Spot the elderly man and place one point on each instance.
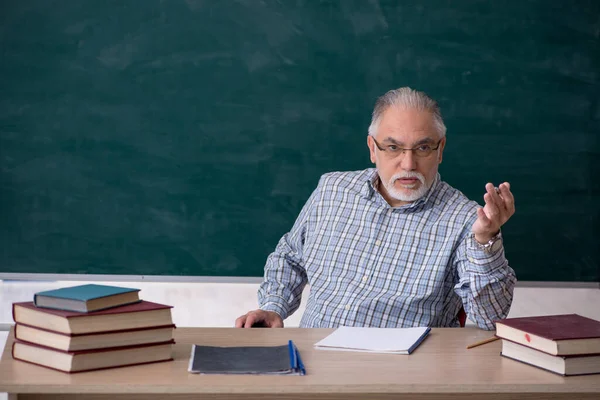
(393, 246)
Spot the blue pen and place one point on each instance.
(292, 355)
(295, 360)
(300, 363)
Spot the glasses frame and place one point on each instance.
(413, 149)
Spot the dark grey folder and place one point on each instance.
(276, 360)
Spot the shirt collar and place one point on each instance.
(373, 181)
(370, 186)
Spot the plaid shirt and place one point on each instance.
(370, 264)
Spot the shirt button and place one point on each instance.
(471, 259)
(365, 278)
(378, 243)
(347, 306)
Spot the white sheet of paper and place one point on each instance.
(376, 340)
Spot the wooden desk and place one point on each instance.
(440, 368)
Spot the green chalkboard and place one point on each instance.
(183, 137)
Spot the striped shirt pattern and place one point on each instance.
(370, 264)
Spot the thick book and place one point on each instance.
(374, 340)
(133, 316)
(270, 360)
(86, 298)
(566, 334)
(562, 365)
(92, 360)
(98, 340)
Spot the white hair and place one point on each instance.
(404, 98)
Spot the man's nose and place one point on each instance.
(408, 160)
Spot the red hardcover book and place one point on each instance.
(90, 341)
(92, 360)
(568, 334)
(133, 316)
(563, 365)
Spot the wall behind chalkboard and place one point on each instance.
(183, 137)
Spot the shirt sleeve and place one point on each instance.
(285, 275)
(485, 282)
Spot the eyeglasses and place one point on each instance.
(421, 151)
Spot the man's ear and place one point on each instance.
(441, 150)
(371, 145)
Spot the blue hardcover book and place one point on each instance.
(270, 360)
(86, 298)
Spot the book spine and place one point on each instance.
(419, 340)
(191, 361)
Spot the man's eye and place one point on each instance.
(424, 148)
(392, 147)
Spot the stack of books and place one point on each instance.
(564, 344)
(92, 327)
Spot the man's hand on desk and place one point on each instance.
(259, 319)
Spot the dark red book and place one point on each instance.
(562, 365)
(132, 316)
(92, 360)
(568, 334)
(90, 341)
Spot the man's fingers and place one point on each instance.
(239, 323)
(507, 197)
(491, 208)
(494, 195)
(259, 318)
(485, 221)
(251, 319)
(276, 324)
(499, 202)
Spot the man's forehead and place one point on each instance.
(407, 124)
(407, 134)
(419, 139)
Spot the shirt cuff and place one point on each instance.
(484, 260)
(275, 307)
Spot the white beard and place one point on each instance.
(408, 193)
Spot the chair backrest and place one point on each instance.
(462, 317)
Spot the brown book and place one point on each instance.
(99, 340)
(133, 316)
(562, 365)
(91, 360)
(568, 334)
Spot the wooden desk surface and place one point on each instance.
(441, 367)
